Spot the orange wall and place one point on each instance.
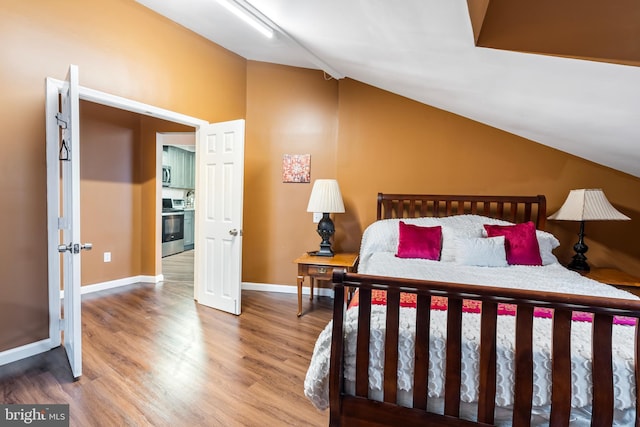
(369, 139)
(295, 111)
(121, 48)
(118, 192)
(289, 111)
(109, 192)
(390, 144)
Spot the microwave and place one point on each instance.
(166, 176)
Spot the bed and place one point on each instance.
(460, 340)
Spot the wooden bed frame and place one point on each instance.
(359, 410)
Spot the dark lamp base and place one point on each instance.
(325, 250)
(325, 230)
(579, 265)
(579, 262)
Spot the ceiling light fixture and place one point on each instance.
(247, 16)
(254, 17)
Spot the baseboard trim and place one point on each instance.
(267, 287)
(24, 351)
(249, 286)
(97, 287)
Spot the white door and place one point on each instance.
(63, 199)
(219, 183)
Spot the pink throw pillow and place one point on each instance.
(521, 242)
(419, 242)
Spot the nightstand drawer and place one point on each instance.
(320, 271)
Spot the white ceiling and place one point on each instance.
(424, 50)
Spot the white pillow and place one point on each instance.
(481, 251)
(547, 243)
(450, 236)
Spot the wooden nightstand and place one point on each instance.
(612, 276)
(321, 268)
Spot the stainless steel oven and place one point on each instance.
(172, 230)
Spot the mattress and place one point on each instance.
(552, 277)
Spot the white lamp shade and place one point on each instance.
(587, 205)
(325, 197)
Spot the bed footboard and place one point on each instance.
(358, 409)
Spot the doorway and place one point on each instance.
(219, 172)
(176, 156)
(119, 196)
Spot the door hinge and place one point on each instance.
(63, 224)
(62, 120)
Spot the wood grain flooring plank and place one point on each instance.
(153, 357)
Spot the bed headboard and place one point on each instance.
(515, 209)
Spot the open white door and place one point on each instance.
(63, 203)
(219, 183)
(63, 198)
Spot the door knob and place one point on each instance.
(75, 248)
(233, 232)
(64, 248)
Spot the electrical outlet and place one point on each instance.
(107, 257)
(317, 216)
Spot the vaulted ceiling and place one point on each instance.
(565, 74)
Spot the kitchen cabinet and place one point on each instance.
(189, 229)
(182, 164)
(191, 169)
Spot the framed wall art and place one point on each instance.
(296, 168)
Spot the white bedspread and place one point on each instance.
(551, 277)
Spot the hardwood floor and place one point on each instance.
(153, 357)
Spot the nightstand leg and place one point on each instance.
(300, 282)
(311, 280)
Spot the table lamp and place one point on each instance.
(326, 199)
(585, 205)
